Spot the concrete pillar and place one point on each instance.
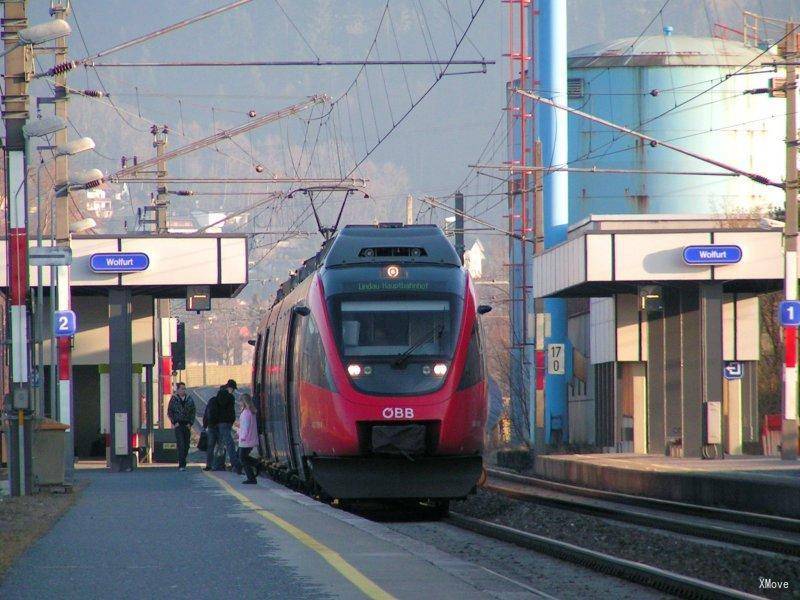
(674, 365)
(639, 380)
(710, 296)
(656, 442)
(732, 392)
(689, 372)
(121, 378)
(105, 408)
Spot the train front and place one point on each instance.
(403, 342)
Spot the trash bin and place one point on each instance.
(49, 445)
(166, 448)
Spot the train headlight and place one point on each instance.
(440, 369)
(354, 370)
(392, 271)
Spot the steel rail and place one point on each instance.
(667, 581)
(711, 512)
(739, 537)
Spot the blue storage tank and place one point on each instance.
(631, 82)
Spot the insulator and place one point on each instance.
(93, 184)
(259, 168)
(63, 67)
(185, 192)
(165, 129)
(94, 93)
(154, 129)
(653, 143)
(124, 161)
(135, 160)
(655, 93)
(251, 114)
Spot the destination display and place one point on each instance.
(119, 262)
(712, 254)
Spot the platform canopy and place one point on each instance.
(614, 254)
(161, 266)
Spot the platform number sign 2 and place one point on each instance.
(64, 323)
(555, 359)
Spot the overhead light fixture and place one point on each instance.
(82, 225)
(44, 32)
(44, 126)
(76, 147)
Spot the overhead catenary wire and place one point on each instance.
(163, 31)
(752, 176)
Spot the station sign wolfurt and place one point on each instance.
(119, 262)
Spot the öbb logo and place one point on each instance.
(397, 413)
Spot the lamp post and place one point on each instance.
(69, 149)
(82, 180)
(40, 128)
(15, 36)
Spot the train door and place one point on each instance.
(260, 391)
(277, 438)
(293, 371)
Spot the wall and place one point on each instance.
(192, 376)
(91, 340)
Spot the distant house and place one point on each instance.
(473, 260)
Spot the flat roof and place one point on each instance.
(174, 262)
(610, 254)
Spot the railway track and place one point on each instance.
(750, 530)
(653, 577)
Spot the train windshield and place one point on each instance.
(395, 345)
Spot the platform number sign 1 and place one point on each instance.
(64, 323)
(555, 359)
(790, 313)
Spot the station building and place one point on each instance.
(121, 351)
(651, 83)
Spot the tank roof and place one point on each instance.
(666, 50)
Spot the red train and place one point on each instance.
(369, 370)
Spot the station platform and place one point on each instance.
(749, 483)
(159, 533)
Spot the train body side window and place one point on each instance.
(473, 366)
(315, 368)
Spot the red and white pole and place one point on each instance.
(18, 296)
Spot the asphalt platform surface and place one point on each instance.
(160, 533)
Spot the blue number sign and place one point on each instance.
(790, 313)
(64, 323)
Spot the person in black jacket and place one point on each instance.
(221, 415)
(181, 412)
(212, 436)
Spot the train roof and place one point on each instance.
(360, 244)
(366, 244)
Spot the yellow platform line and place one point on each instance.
(333, 558)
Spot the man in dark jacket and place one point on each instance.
(181, 411)
(213, 462)
(221, 416)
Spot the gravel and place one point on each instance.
(25, 519)
(711, 561)
(533, 574)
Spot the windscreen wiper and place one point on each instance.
(403, 357)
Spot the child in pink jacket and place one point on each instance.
(248, 438)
